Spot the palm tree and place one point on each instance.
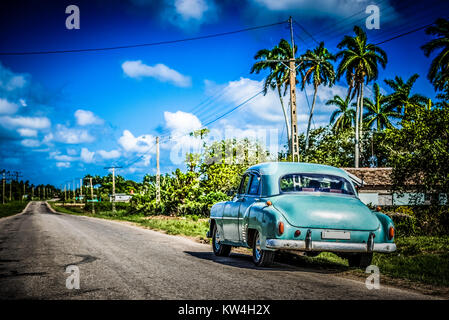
(439, 69)
(401, 99)
(360, 61)
(278, 78)
(343, 117)
(379, 111)
(317, 69)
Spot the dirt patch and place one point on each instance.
(427, 289)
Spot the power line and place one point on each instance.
(142, 44)
(405, 33)
(204, 126)
(233, 109)
(307, 32)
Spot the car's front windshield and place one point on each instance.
(312, 182)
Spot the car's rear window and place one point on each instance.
(308, 182)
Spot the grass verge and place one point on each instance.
(10, 208)
(419, 259)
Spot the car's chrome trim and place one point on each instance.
(329, 246)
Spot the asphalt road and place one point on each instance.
(120, 261)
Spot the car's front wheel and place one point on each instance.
(219, 249)
(261, 258)
(360, 260)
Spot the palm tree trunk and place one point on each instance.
(361, 116)
(310, 117)
(287, 124)
(356, 151)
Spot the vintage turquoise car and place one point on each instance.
(299, 206)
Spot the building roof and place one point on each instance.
(372, 177)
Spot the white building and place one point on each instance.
(376, 185)
(120, 197)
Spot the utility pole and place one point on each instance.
(292, 66)
(293, 114)
(3, 187)
(92, 196)
(10, 185)
(158, 173)
(81, 188)
(113, 185)
(17, 174)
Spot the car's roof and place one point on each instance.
(272, 171)
(282, 168)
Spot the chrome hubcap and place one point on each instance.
(216, 241)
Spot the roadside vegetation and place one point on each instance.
(12, 207)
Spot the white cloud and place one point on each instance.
(48, 138)
(86, 117)
(25, 132)
(137, 69)
(63, 164)
(61, 157)
(109, 154)
(31, 143)
(71, 151)
(187, 15)
(265, 108)
(327, 8)
(140, 144)
(12, 82)
(7, 107)
(87, 156)
(25, 122)
(71, 136)
(181, 123)
(191, 9)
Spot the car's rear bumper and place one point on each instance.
(329, 246)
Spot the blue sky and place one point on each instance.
(65, 115)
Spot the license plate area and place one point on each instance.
(336, 235)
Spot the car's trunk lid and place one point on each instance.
(325, 211)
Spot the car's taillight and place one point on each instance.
(281, 227)
(297, 233)
(391, 233)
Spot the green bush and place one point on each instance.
(404, 224)
(420, 220)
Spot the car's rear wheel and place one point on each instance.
(261, 258)
(360, 260)
(219, 248)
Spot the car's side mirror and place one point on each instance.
(230, 193)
